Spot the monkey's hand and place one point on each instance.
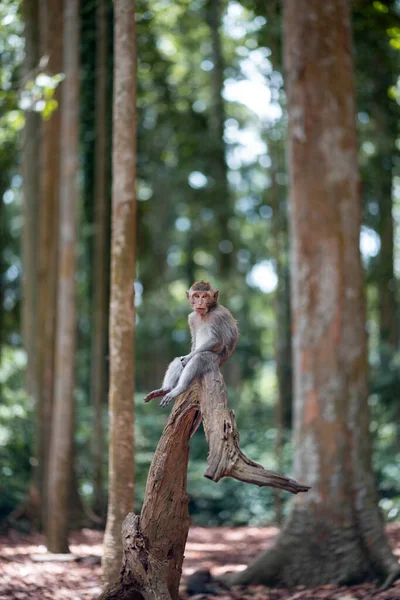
(167, 399)
(185, 360)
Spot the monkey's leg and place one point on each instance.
(197, 366)
(173, 374)
(171, 378)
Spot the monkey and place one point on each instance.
(214, 334)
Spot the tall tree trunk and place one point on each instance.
(218, 164)
(334, 533)
(63, 411)
(386, 281)
(31, 148)
(122, 310)
(101, 284)
(283, 359)
(51, 27)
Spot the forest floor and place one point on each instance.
(24, 577)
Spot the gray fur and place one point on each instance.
(214, 338)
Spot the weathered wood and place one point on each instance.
(225, 458)
(154, 543)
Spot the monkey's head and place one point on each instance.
(202, 297)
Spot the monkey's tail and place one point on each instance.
(156, 394)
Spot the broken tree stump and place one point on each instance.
(154, 543)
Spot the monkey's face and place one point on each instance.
(201, 302)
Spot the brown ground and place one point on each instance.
(220, 549)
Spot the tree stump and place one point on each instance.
(154, 543)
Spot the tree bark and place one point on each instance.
(31, 149)
(386, 280)
(219, 169)
(62, 421)
(122, 313)
(334, 533)
(154, 543)
(51, 27)
(101, 283)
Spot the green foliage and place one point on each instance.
(16, 431)
(385, 427)
(179, 233)
(38, 94)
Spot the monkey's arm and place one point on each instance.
(192, 333)
(213, 344)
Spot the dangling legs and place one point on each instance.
(197, 366)
(171, 378)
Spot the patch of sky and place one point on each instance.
(199, 106)
(263, 276)
(197, 180)
(246, 204)
(183, 224)
(207, 215)
(207, 65)
(166, 46)
(370, 242)
(225, 246)
(234, 178)
(373, 208)
(8, 196)
(266, 212)
(12, 273)
(368, 148)
(363, 118)
(144, 192)
(138, 293)
(174, 258)
(242, 51)
(248, 146)
(16, 181)
(264, 161)
(237, 23)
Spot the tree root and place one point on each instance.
(390, 579)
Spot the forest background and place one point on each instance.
(211, 202)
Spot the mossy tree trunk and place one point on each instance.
(122, 312)
(335, 532)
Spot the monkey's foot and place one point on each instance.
(167, 399)
(156, 394)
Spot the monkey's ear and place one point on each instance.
(216, 294)
(187, 294)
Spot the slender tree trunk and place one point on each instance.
(31, 148)
(386, 281)
(335, 532)
(279, 248)
(51, 27)
(62, 421)
(101, 285)
(122, 312)
(218, 164)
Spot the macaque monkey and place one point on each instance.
(214, 336)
